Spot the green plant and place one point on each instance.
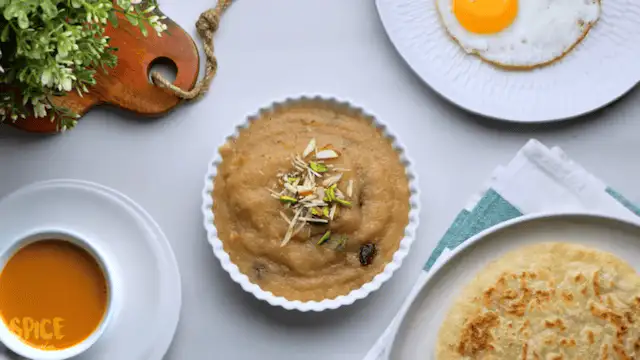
(51, 47)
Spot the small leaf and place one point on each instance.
(143, 29)
(23, 20)
(132, 19)
(113, 18)
(5, 33)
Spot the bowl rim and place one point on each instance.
(356, 294)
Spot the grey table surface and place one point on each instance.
(269, 50)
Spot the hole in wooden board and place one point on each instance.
(165, 66)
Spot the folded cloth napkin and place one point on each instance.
(538, 179)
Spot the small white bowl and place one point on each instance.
(13, 342)
(366, 289)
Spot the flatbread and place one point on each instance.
(549, 301)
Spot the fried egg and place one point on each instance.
(519, 33)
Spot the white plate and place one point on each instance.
(418, 331)
(598, 71)
(149, 290)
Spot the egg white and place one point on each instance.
(542, 32)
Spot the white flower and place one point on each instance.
(66, 84)
(46, 78)
(39, 110)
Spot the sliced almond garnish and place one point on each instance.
(290, 188)
(326, 154)
(313, 173)
(304, 190)
(350, 188)
(315, 220)
(332, 212)
(332, 180)
(315, 204)
(289, 233)
(298, 229)
(285, 217)
(311, 147)
(308, 198)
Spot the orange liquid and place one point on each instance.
(53, 294)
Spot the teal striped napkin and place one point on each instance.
(538, 179)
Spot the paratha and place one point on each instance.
(548, 301)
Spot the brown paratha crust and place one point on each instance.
(547, 300)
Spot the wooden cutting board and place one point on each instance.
(127, 85)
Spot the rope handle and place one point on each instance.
(206, 25)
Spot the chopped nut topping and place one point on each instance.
(310, 193)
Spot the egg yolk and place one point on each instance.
(485, 16)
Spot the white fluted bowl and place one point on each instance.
(350, 298)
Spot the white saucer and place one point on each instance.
(149, 289)
(598, 71)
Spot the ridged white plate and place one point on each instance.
(366, 289)
(598, 71)
(418, 332)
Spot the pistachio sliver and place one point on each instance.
(330, 192)
(343, 202)
(325, 212)
(324, 237)
(288, 199)
(318, 167)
